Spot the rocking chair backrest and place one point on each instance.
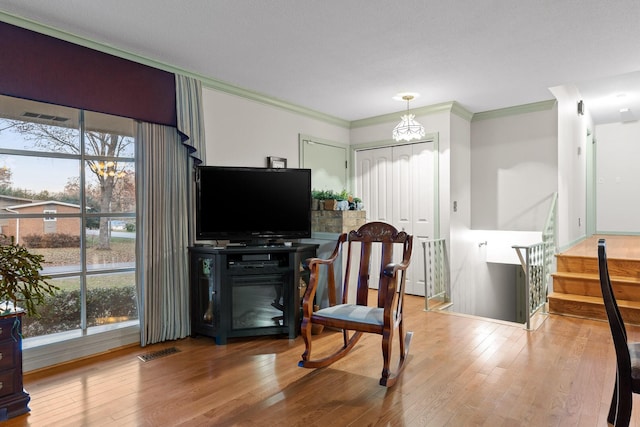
(370, 234)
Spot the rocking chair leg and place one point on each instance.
(387, 343)
(390, 379)
(305, 331)
(401, 335)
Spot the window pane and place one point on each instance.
(61, 252)
(109, 136)
(113, 245)
(59, 313)
(34, 126)
(111, 298)
(111, 186)
(40, 178)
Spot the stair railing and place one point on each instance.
(537, 263)
(436, 274)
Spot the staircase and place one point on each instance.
(576, 284)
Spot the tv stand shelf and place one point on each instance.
(242, 291)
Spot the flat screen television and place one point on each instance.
(252, 205)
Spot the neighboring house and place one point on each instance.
(20, 227)
(6, 201)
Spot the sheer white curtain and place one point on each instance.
(165, 158)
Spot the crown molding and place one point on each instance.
(518, 109)
(450, 107)
(206, 81)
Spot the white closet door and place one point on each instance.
(397, 186)
(422, 210)
(373, 175)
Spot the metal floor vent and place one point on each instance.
(157, 354)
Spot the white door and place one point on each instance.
(397, 186)
(328, 164)
(373, 173)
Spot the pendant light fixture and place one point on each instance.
(408, 129)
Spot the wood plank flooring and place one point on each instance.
(618, 246)
(462, 371)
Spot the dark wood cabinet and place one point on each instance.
(247, 291)
(14, 399)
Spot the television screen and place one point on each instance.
(252, 204)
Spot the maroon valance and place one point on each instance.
(42, 68)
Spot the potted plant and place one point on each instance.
(22, 286)
(357, 201)
(317, 197)
(330, 200)
(343, 200)
(22, 289)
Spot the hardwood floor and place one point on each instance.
(618, 246)
(462, 371)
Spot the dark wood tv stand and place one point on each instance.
(247, 291)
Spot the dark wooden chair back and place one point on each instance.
(627, 381)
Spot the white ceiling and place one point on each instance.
(348, 58)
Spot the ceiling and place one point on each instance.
(348, 58)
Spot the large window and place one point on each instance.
(67, 192)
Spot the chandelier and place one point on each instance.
(408, 128)
(107, 169)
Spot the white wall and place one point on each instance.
(242, 132)
(617, 177)
(514, 170)
(512, 173)
(462, 278)
(572, 137)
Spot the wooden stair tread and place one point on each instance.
(592, 300)
(576, 283)
(596, 277)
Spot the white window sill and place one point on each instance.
(48, 350)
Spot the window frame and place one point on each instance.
(46, 350)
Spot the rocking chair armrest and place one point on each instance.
(309, 263)
(313, 266)
(391, 269)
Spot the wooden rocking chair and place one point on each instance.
(383, 317)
